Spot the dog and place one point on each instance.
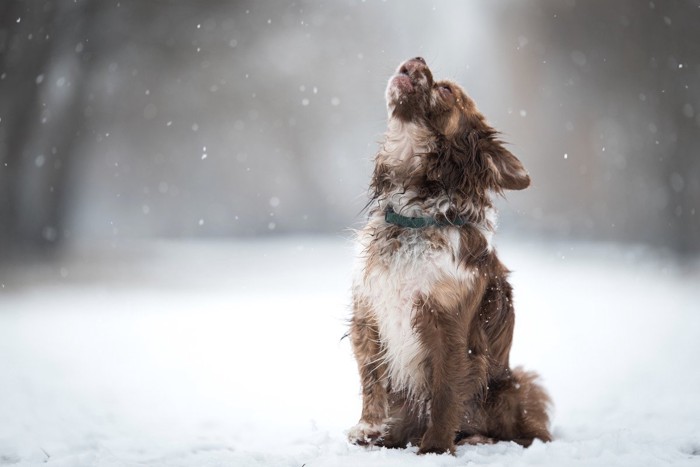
(432, 311)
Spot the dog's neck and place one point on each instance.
(403, 140)
(403, 154)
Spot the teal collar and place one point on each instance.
(419, 222)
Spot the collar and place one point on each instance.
(419, 222)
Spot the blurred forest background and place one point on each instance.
(124, 119)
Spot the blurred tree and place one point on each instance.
(44, 59)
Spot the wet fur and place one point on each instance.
(433, 316)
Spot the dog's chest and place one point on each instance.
(392, 284)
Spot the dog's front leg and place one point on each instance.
(442, 329)
(373, 375)
(445, 372)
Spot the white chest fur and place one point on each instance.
(391, 287)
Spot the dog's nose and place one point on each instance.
(412, 64)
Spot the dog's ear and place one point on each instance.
(507, 171)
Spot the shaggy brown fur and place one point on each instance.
(433, 315)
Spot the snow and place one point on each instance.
(230, 353)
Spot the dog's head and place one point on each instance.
(466, 155)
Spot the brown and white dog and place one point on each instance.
(433, 317)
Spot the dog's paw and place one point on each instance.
(436, 443)
(474, 440)
(367, 434)
(436, 450)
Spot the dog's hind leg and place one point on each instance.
(516, 409)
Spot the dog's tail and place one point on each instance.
(518, 409)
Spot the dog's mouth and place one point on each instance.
(403, 83)
(410, 84)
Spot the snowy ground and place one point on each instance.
(208, 354)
